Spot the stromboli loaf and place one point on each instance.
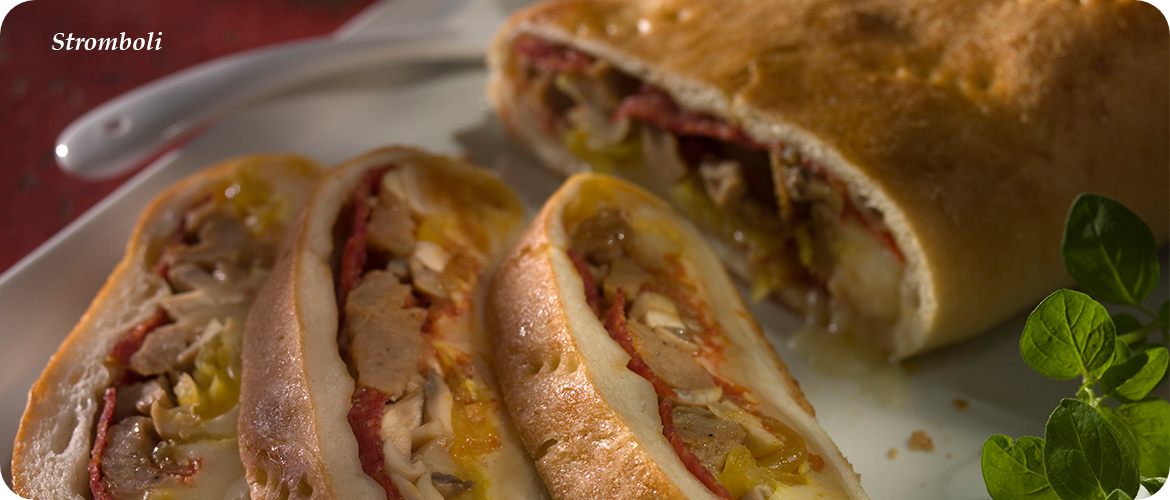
(161, 342)
(954, 133)
(592, 413)
(365, 370)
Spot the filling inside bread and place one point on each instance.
(168, 423)
(638, 285)
(789, 227)
(424, 411)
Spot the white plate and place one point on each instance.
(443, 108)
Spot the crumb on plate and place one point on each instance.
(920, 440)
(961, 404)
(893, 453)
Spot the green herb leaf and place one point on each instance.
(1015, 471)
(1126, 323)
(1118, 495)
(1068, 334)
(1109, 250)
(1146, 425)
(1135, 377)
(1153, 484)
(1085, 458)
(1120, 352)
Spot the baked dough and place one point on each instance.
(592, 424)
(970, 126)
(56, 434)
(297, 389)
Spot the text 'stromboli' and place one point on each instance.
(61, 41)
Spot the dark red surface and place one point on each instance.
(42, 90)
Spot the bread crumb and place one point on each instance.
(961, 404)
(919, 440)
(893, 453)
(948, 455)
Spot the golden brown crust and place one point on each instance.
(576, 404)
(952, 117)
(53, 444)
(296, 388)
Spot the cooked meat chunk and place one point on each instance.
(723, 181)
(221, 239)
(391, 226)
(127, 464)
(602, 238)
(667, 358)
(160, 351)
(135, 399)
(385, 334)
(711, 438)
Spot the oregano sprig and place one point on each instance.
(1114, 435)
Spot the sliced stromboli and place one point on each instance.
(636, 370)
(897, 168)
(368, 376)
(141, 400)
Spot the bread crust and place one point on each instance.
(970, 125)
(576, 405)
(296, 388)
(53, 445)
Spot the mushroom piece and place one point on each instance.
(723, 181)
(160, 351)
(673, 365)
(660, 149)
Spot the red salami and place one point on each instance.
(365, 418)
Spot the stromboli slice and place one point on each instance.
(141, 400)
(634, 369)
(366, 371)
(898, 169)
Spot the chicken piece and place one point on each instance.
(391, 226)
(723, 182)
(160, 351)
(385, 334)
(710, 438)
(220, 239)
(668, 359)
(127, 462)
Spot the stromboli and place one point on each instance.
(591, 402)
(153, 365)
(365, 370)
(898, 168)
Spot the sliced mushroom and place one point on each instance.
(427, 262)
(400, 419)
(436, 457)
(660, 150)
(221, 239)
(385, 336)
(439, 401)
(626, 276)
(450, 486)
(658, 311)
(427, 488)
(723, 181)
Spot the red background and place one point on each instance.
(43, 90)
